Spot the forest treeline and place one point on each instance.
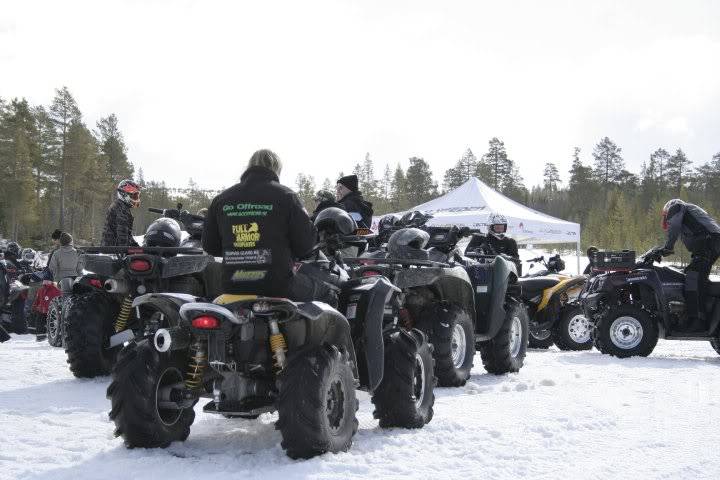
(58, 172)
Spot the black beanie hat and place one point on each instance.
(56, 234)
(350, 181)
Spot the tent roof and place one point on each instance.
(471, 203)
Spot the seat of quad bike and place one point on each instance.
(534, 286)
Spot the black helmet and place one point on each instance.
(556, 263)
(14, 249)
(387, 222)
(163, 232)
(408, 243)
(335, 220)
(415, 218)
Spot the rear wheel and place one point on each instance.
(574, 330)
(541, 339)
(317, 403)
(143, 380)
(450, 331)
(89, 324)
(405, 397)
(506, 352)
(54, 322)
(625, 331)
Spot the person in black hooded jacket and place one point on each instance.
(350, 199)
(259, 227)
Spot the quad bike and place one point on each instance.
(12, 294)
(402, 380)
(555, 314)
(99, 317)
(44, 296)
(460, 303)
(632, 304)
(254, 355)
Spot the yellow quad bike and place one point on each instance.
(555, 314)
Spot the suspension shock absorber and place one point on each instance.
(196, 367)
(277, 343)
(124, 315)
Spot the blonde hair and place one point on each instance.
(267, 159)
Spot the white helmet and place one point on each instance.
(497, 225)
(666, 209)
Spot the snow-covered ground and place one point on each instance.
(565, 415)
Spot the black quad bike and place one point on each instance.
(99, 317)
(556, 316)
(254, 355)
(12, 316)
(632, 304)
(462, 304)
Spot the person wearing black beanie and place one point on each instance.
(350, 199)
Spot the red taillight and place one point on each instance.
(140, 265)
(206, 322)
(370, 273)
(96, 283)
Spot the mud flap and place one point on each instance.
(378, 297)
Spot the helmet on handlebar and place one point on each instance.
(334, 220)
(415, 218)
(408, 243)
(670, 205)
(556, 264)
(13, 248)
(497, 225)
(387, 222)
(163, 232)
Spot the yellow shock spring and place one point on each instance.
(124, 315)
(277, 344)
(196, 367)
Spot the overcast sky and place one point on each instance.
(198, 86)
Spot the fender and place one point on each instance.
(375, 293)
(168, 304)
(503, 276)
(88, 283)
(553, 292)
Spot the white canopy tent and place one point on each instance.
(471, 203)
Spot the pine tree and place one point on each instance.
(465, 168)
(551, 178)
(678, 171)
(608, 162)
(398, 196)
(495, 167)
(63, 112)
(419, 182)
(112, 146)
(658, 162)
(306, 190)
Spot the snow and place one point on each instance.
(565, 415)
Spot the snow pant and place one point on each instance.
(18, 316)
(696, 277)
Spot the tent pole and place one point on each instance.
(577, 255)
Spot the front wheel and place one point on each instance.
(143, 380)
(625, 331)
(405, 397)
(450, 331)
(573, 331)
(505, 353)
(317, 403)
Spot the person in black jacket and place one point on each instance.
(119, 220)
(259, 227)
(496, 242)
(350, 199)
(700, 234)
